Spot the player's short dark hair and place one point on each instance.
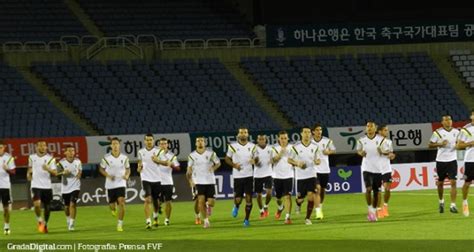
(282, 132)
(163, 139)
(262, 135)
(445, 115)
(370, 121)
(69, 146)
(115, 139)
(200, 137)
(148, 135)
(381, 127)
(242, 127)
(40, 141)
(305, 127)
(317, 125)
(2, 142)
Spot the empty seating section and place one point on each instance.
(179, 96)
(167, 19)
(26, 113)
(37, 20)
(463, 61)
(392, 88)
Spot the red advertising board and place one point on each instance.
(21, 148)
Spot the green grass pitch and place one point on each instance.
(414, 223)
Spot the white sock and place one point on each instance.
(369, 207)
(453, 204)
(318, 209)
(207, 205)
(71, 222)
(372, 209)
(6, 226)
(464, 202)
(120, 222)
(155, 215)
(280, 207)
(39, 219)
(265, 206)
(385, 204)
(287, 216)
(262, 210)
(198, 215)
(167, 219)
(441, 201)
(206, 220)
(148, 220)
(68, 220)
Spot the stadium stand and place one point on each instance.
(338, 91)
(27, 112)
(463, 60)
(163, 96)
(32, 20)
(169, 19)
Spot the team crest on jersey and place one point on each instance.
(248, 149)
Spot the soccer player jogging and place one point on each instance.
(326, 148)
(203, 163)
(466, 141)
(8, 168)
(240, 157)
(151, 179)
(263, 174)
(386, 151)
(283, 174)
(115, 167)
(167, 162)
(304, 158)
(368, 149)
(70, 168)
(444, 139)
(41, 166)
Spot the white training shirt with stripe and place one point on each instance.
(466, 134)
(448, 152)
(307, 154)
(150, 170)
(324, 144)
(9, 161)
(386, 147)
(264, 167)
(241, 154)
(166, 172)
(282, 169)
(202, 164)
(371, 162)
(70, 182)
(40, 178)
(115, 166)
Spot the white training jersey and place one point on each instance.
(282, 169)
(385, 147)
(241, 154)
(150, 170)
(115, 166)
(166, 172)
(371, 162)
(324, 144)
(9, 161)
(40, 178)
(202, 164)
(264, 167)
(307, 154)
(448, 152)
(70, 182)
(466, 135)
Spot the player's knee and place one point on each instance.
(148, 200)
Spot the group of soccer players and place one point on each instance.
(258, 168)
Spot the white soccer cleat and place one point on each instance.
(308, 222)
